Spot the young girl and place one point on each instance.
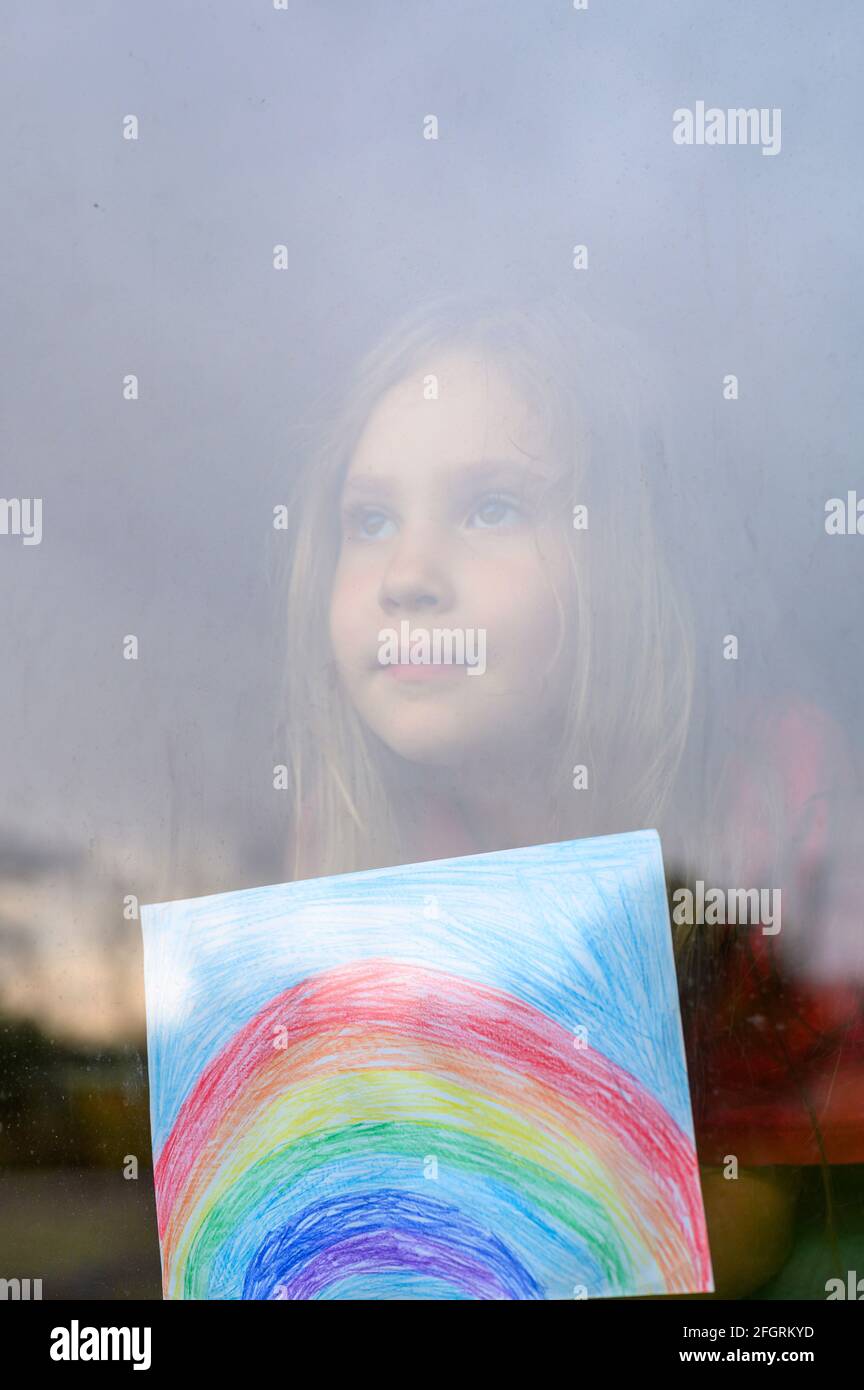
(489, 472)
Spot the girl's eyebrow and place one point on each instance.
(483, 470)
(368, 485)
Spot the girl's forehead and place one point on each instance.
(460, 407)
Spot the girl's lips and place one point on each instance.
(423, 672)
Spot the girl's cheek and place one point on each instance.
(530, 615)
(358, 570)
(351, 616)
(350, 571)
(520, 587)
(342, 612)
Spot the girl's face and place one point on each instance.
(444, 526)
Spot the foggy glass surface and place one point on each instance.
(155, 257)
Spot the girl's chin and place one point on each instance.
(430, 746)
(428, 754)
(450, 744)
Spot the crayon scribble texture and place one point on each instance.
(369, 1086)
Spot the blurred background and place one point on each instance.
(304, 127)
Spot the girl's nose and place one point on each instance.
(415, 579)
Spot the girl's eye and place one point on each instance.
(494, 511)
(367, 523)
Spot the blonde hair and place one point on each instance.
(630, 696)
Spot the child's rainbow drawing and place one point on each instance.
(460, 1079)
